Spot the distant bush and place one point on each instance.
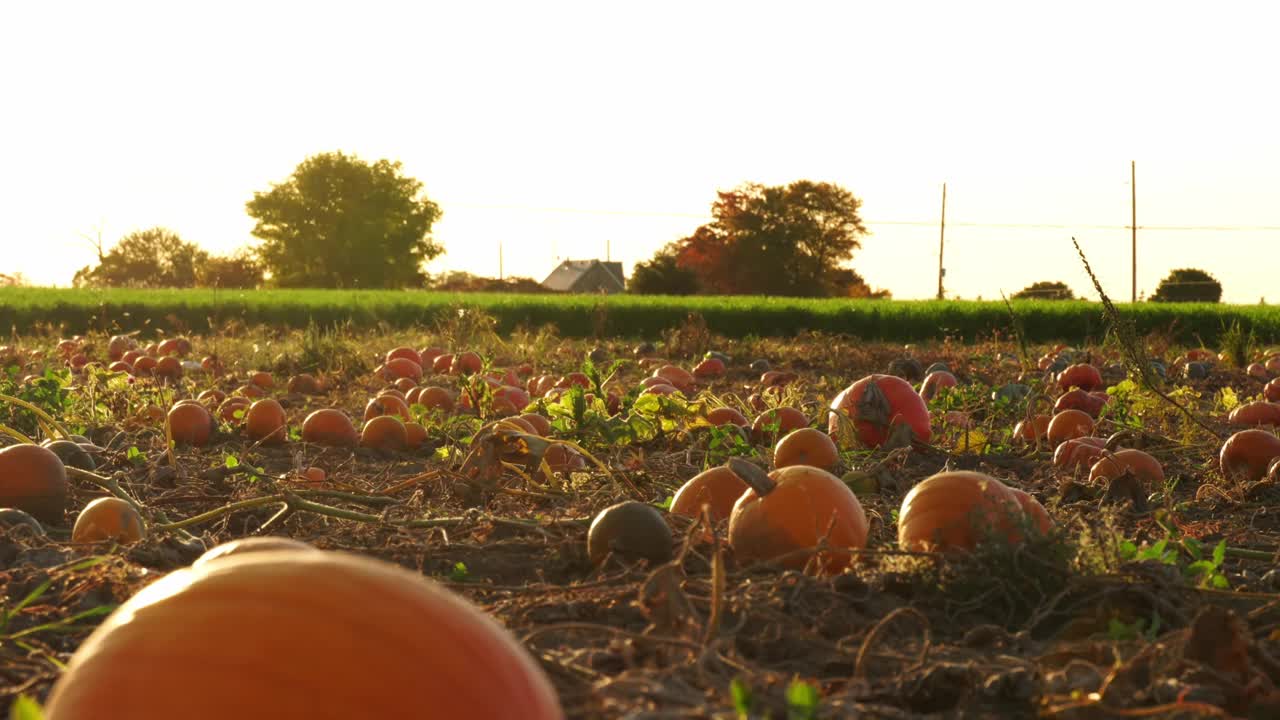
(458, 281)
(1045, 290)
(1188, 285)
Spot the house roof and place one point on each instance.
(564, 277)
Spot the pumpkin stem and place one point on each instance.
(753, 475)
(1123, 436)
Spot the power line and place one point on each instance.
(916, 223)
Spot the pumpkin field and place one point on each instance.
(458, 519)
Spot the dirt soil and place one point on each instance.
(1072, 626)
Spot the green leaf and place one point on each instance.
(1220, 581)
(802, 701)
(231, 461)
(1219, 553)
(24, 708)
(742, 698)
(1193, 548)
(459, 573)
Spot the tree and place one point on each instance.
(662, 275)
(774, 240)
(156, 257)
(1188, 285)
(341, 222)
(240, 270)
(1045, 290)
(460, 281)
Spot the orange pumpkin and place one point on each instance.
(785, 514)
(676, 377)
(212, 397)
(1081, 375)
(265, 422)
(1143, 466)
(399, 368)
(168, 367)
(331, 427)
(1077, 399)
(538, 424)
(774, 423)
(262, 379)
(417, 655)
(877, 404)
(385, 432)
(108, 518)
(433, 397)
(936, 381)
(442, 364)
(144, 366)
(1256, 413)
(190, 424)
(415, 436)
(466, 363)
(1271, 392)
(1028, 431)
(233, 407)
(1033, 510)
(955, 510)
(1079, 452)
(1067, 425)
(806, 446)
(304, 384)
(33, 479)
(1247, 454)
(406, 353)
(727, 416)
(718, 488)
(387, 404)
(250, 544)
(709, 368)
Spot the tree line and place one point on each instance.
(340, 222)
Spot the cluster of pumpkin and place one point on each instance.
(801, 515)
(425, 651)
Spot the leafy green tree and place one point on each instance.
(1045, 290)
(774, 240)
(1188, 285)
(156, 257)
(339, 221)
(662, 275)
(240, 270)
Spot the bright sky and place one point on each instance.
(554, 127)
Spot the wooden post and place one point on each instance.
(1133, 204)
(942, 236)
(500, 276)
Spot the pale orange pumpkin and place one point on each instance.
(385, 432)
(329, 426)
(251, 544)
(806, 446)
(1068, 425)
(108, 518)
(190, 424)
(718, 488)
(955, 510)
(1142, 465)
(265, 421)
(785, 514)
(33, 479)
(408, 648)
(1247, 454)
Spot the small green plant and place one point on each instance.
(802, 701)
(135, 456)
(24, 708)
(1121, 631)
(726, 441)
(459, 572)
(1237, 344)
(1202, 570)
(743, 699)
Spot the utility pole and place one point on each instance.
(500, 275)
(607, 252)
(942, 237)
(1133, 204)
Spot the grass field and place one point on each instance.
(76, 311)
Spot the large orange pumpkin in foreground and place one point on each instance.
(33, 479)
(876, 404)
(791, 510)
(954, 510)
(300, 634)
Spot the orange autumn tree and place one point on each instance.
(788, 240)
